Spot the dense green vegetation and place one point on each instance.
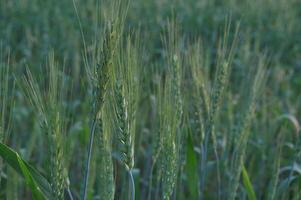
(150, 99)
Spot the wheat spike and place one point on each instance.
(48, 106)
(171, 114)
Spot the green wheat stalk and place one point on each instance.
(100, 75)
(242, 130)
(105, 165)
(48, 105)
(171, 113)
(127, 96)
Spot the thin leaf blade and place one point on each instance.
(247, 184)
(38, 184)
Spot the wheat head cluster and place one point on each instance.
(191, 120)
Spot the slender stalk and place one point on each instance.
(132, 184)
(70, 194)
(88, 161)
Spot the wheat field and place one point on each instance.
(150, 99)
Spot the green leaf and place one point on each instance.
(38, 184)
(248, 184)
(191, 169)
(36, 192)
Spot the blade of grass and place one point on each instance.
(36, 192)
(38, 184)
(248, 185)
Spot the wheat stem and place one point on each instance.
(132, 184)
(88, 161)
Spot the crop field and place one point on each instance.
(150, 99)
